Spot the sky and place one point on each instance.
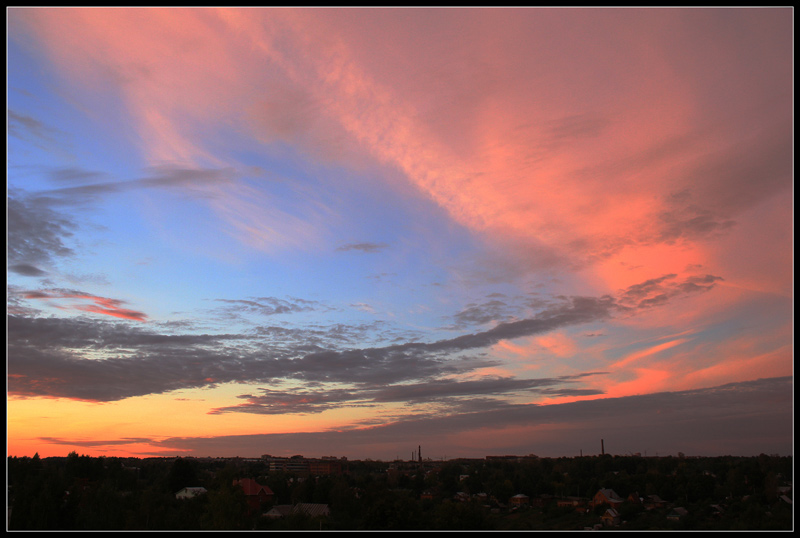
(353, 232)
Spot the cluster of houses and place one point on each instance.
(258, 495)
(604, 497)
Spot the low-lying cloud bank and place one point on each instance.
(740, 417)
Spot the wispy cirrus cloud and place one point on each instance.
(27, 127)
(165, 176)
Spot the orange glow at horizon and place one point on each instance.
(87, 424)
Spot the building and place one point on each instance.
(188, 493)
(610, 518)
(301, 465)
(520, 499)
(677, 513)
(255, 493)
(578, 503)
(306, 509)
(654, 501)
(607, 496)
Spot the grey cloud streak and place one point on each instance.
(446, 391)
(157, 177)
(53, 356)
(26, 269)
(362, 247)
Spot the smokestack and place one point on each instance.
(419, 453)
(602, 448)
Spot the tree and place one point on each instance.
(181, 474)
(227, 509)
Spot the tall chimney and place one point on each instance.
(602, 448)
(419, 453)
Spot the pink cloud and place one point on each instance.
(564, 130)
(102, 305)
(638, 355)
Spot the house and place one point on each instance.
(256, 493)
(573, 502)
(426, 495)
(607, 496)
(610, 518)
(279, 511)
(306, 509)
(677, 513)
(312, 509)
(634, 498)
(654, 501)
(542, 500)
(519, 499)
(188, 493)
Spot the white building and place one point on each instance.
(188, 493)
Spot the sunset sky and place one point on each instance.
(351, 232)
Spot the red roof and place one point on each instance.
(251, 487)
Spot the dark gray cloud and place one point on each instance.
(362, 247)
(658, 291)
(490, 311)
(696, 422)
(278, 402)
(26, 269)
(447, 391)
(103, 361)
(37, 234)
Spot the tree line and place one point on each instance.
(80, 492)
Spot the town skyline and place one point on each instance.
(328, 231)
